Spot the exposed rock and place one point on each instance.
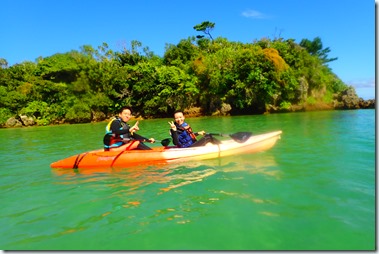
(223, 111)
(13, 122)
(348, 99)
(272, 109)
(98, 116)
(27, 120)
(193, 112)
(319, 106)
(366, 104)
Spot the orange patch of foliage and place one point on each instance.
(273, 55)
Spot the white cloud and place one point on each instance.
(365, 88)
(253, 14)
(362, 83)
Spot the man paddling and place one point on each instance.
(120, 136)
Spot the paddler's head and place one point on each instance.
(125, 113)
(179, 117)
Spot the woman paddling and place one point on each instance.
(182, 133)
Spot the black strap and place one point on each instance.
(79, 158)
(118, 155)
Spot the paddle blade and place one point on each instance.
(213, 140)
(166, 142)
(241, 137)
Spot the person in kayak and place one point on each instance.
(183, 136)
(120, 136)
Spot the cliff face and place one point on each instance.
(349, 100)
(366, 104)
(345, 100)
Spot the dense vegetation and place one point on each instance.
(212, 74)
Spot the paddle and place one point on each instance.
(164, 142)
(239, 137)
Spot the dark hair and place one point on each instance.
(124, 108)
(178, 111)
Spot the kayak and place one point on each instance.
(169, 154)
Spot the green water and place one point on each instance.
(314, 190)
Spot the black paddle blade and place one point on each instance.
(241, 137)
(107, 139)
(215, 141)
(166, 142)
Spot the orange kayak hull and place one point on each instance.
(163, 155)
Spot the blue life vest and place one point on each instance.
(186, 137)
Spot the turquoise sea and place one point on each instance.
(314, 190)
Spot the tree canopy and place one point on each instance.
(92, 83)
(206, 27)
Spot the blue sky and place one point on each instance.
(33, 28)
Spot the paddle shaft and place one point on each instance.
(164, 142)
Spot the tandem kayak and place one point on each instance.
(168, 154)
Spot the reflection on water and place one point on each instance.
(179, 180)
(172, 175)
(141, 187)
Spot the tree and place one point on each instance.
(3, 63)
(182, 53)
(315, 49)
(205, 27)
(132, 56)
(251, 78)
(58, 67)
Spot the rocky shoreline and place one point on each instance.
(346, 103)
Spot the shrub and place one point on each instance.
(79, 113)
(5, 114)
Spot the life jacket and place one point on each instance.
(111, 139)
(186, 136)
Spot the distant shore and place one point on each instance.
(25, 121)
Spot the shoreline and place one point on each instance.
(25, 121)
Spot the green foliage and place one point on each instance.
(43, 112)
(79, 113)
(328, 98)
(38, 109)
(197, 72)
(42, 122)
(3, 63)
(315, 48)
(181, 53)
(13, 100)
(311, 100)
(336, 85)
(205, 27)
(5, 114)
(132, 56)
(285, 105)
(59, 67)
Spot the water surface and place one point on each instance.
(314, 190)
